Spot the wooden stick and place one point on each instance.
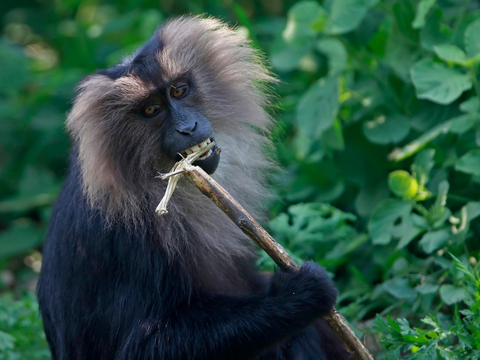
(210, 188)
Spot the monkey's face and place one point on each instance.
(173, 111)
(195, 81)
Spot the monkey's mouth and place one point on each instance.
(209, 160)
(198, 147)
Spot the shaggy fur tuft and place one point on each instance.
(120, 282)
(119, 156)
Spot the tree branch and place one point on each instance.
(210, 188)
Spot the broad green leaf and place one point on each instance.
(400, 266)
(469, 163)
(344, 248)
(463, 123)
(406, 231)
(473, 210)
(335, 52)
(472, 39)
(434, 240)
(404, 14)
(401, 289)
(318, 107)
(427, 288)
(423, 7)
(400, 53)
(19, 238)
(7, 342)
(451, 294)
(451, 53)
(411, 226)
(383, 219)
(435, 31)
(346, 15)
(438, 83)
(386, 130)
(287, 58)
(298, 31)
(472, 105)
(403, 184)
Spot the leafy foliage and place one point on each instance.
(378, 132)
(21, 331)
(457, 340)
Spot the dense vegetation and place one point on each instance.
(378, 132)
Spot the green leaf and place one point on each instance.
(19, 238)
(385, 130)
(14, 64)
(400, 53)
(318, 108)
(406, 231)
(346, 15)
(401, 289)
(473, 210)
(423, 7)
(435, 31)
(333, 137)
(335, 52)
(463, 123)
(472, 105)
(438, 83)
(298, 31)
(434, 240)
(287, 58)
(383, 219)
(422, 165)
(403, 184)
(427, 288)
(461, 267)
(7, 342)
(451, 294)
(451, 53)
(472, 40)
(469, 163)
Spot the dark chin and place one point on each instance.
(210, 164)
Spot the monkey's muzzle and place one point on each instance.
(209, 160)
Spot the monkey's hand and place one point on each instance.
(309, 290)
(237, 328)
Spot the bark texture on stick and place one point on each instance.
(210, 188)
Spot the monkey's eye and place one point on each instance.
(151, 110)
(179, 91)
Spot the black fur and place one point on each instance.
(107, 292)
(119, 282)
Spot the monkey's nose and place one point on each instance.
(187, 129)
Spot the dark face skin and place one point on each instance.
(173, 112)
(171, 109)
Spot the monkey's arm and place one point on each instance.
(221, 327)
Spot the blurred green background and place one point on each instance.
(378, 131)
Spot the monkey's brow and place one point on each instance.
(153, 90)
